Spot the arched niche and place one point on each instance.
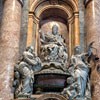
(52, 16)
(45, 12)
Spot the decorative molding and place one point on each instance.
(54, 2)
(32, 15)
(36, 19)
(70, 3)
(76, 14)
(86, 2)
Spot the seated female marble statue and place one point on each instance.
(79, 89)
(81, 72)
(26, 67)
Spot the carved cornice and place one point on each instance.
(21, 2)
(86, 2)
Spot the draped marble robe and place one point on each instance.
(81, 74)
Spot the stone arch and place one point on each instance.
(72, 3)
(66, 10)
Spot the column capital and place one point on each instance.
(86, 2)
(30, 14)
(36, 19)
(76, 14)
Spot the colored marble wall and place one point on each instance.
(92, 21)
(24, 26)
(25, 19)
(1, 9)
(12, 42)
(9, 46)
(82, 24)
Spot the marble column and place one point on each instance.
(9, 45)
(76, 30)
(92, 21)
